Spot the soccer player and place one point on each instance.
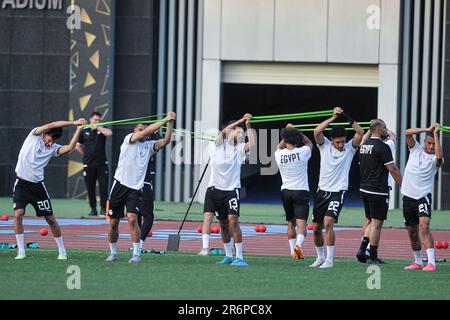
(146, 218)
(335, 161)
(223, 195)
(418, 180)
(126, 191)
(36, 152)
(292, 156)
(376, 162)
(91, 145)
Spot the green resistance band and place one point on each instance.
(331, 124)
(329, 129)
(126, 121)
(291, 117)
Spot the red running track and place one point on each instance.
(394, 242)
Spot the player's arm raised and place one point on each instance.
(147, 132)
(359, 134)
(223, 133)
(410, 133)
(438, 146)
(167, 137)
(57, 124)
(105, 131)
(307, 142)
(318, 132)
(250, 134)
(73, 143)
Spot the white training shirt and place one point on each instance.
(293, 165)
(226, 161)
(391, 144)
(133, 161)
(419, 173)
(34, 157)
(335, 166)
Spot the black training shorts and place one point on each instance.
(222, 202)
(327, 204)
(375, 206)
(36, 194)
(414, 209)
(121, 197)
(296, 204)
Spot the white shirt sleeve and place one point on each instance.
(55, 148)
(152, 147)
(350, 146)
(278, 156)
(242, 152)
(305, 153)
(325, 143)
(416, 148)
(127, 138)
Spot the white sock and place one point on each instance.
(431, 259)
(136, 249)
(239, 251)
(300, 239)
(205, 239)
(228, 249)
(320, 252)
(330, 253)
(418, 257)
(292, 243)
(20, 243)
(61, 249)
(113, 247)
(141, 243)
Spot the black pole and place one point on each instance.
(193, 197)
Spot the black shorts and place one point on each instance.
(223, 203)
(376, 206)
(122, 196)
(296, 204)
(413, 209)
(36, 194)
(328, 204)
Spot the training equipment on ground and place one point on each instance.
(444, 244)
(150, 234)
(262, 228)
(438, 245)
(173, 244)
(43, 231)
(437, 260)
(216, 251)
(5, 217)
(33, 245)
(7, 246)
(199, 229)
(215, 229)
(258, 228)
(310, 226)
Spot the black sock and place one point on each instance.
(373, 252)
(364, 244)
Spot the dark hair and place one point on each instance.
(338, 132)
(292, 136)
(429, 135)
(55, 133)
(231, 122)
(95, 113)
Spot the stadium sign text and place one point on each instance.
(32, 4)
